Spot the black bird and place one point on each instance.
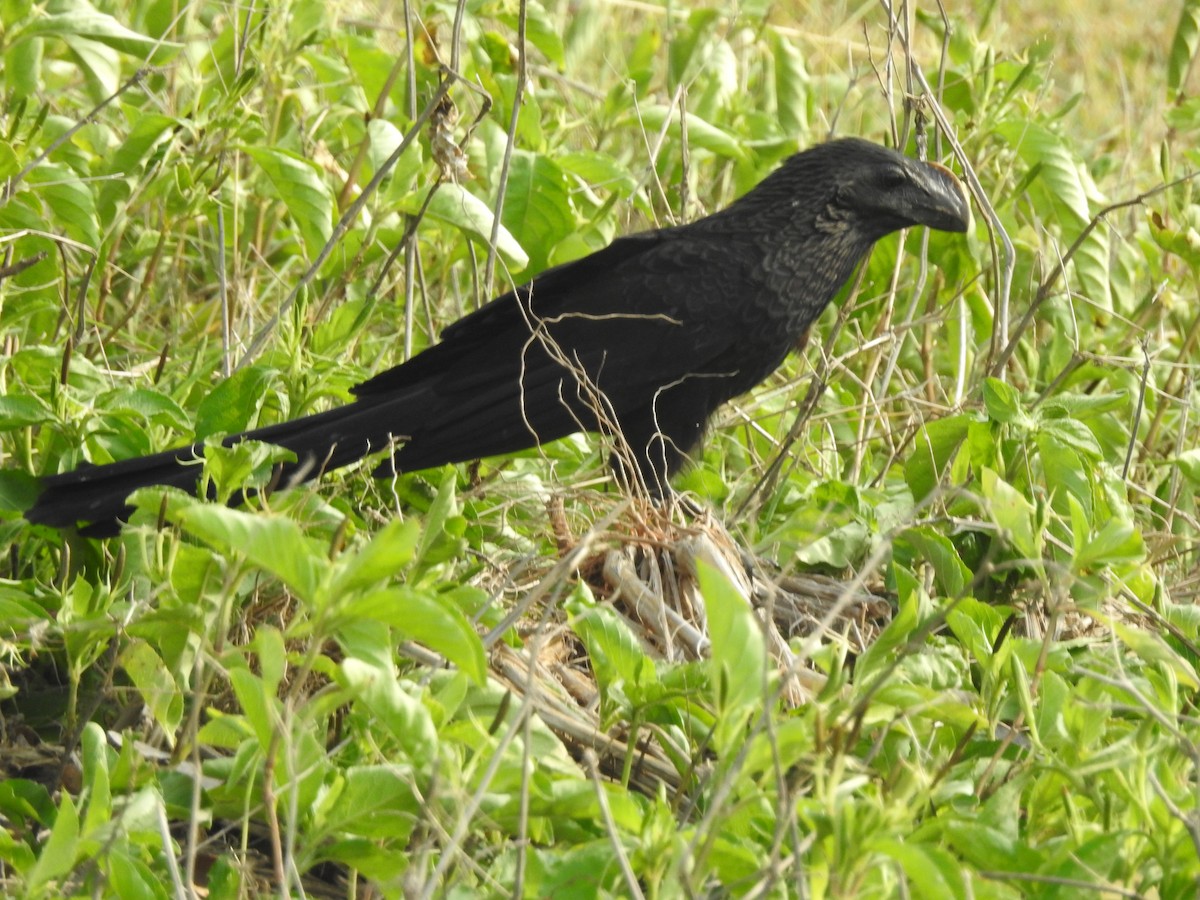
(643, 339)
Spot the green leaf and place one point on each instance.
(229, 407)
(1086, 406)
(298, 183)
(372, 801)
(1063, 178)
(880, 652)
(430, 619)
(739, 655)
(615, 654)
(272, 656)
(57, 856)
(1013, 513)
(22, 410)
(700, 133)
(456, 206)
(1003, 402)
(540, 31)
(405, 717)
(95, 778)
(22, 67)
(383, 557)
(153, 681)
(1074, 435)
(259, 707)
(444, 506)
(272, 543)
(933, 449)
(101, 64)
(1116, 543)
(537, 205)
(86, 22)
(935, 548)
(133, 879)
(791, 85)
(1188, 463)
(931, 872)
(1065, 473)
(1184, 45)
(70, 202)
(148, 404)
(1154, 650)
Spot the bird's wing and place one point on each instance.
(653, 304)
(577, 349)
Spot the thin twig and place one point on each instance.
(352, 213)
(1044, 289)
(11, 186)
(489, 268)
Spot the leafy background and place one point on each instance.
(996, 433)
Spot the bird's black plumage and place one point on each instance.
(643, 339)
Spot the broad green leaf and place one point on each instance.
(700, 133)
(739, 655)
(298, 183)
(95, 778)
(1188, 463)
(372, 801)
(70, 202)
(540, 30)
(149, 404)
(430, 619)
(1058, 168)
(933, 449)
(435, 534)
(1184, 45)
(537, 205)
(86, 22)
(383, 557)
(1065, 473)
(791, 85)
(245, 464)
(22, 65)
(1086, 406)
(1003, 403)
(20, 410)
(405, 717)
(455, 205)
(272, 656)
(153, 681)
(880, 652)
(229, 407)
(259, 707)
(1151, 648)
(1012, 512)
(57, 856)
(1075, 435)
(689, 45)
(272, 543)
(1062, 175)
(101, 64)
(935, 548)
(132, 879)
(614, 651)
(598, 170)
(931, 872)
(976, 626)
(1118, 542)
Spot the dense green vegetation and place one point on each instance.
(967, 507)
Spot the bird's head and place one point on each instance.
(879, 191)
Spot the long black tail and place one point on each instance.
(97, 494)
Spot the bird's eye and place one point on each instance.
(893, 177)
